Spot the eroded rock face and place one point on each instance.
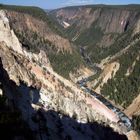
(110, 20)
(7, 35)
(58, 125)
(137, 29)
(15, 64)
(132, 136)
(14, 58)
(52, 92)
(25, 22)
(104, 23)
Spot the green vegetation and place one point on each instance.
(96, 76)
(90, 36)
(136, 123)
(123, 7)
(35, 12)
(123, 89)
(33, 42)
(71, 31)
(62, 62)
(99, 53)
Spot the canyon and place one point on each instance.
(34, 58)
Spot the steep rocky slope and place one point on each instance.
(97, 26)
(110, 37)
(36, 58)
(53, 107)
(36, 31)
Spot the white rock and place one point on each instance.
(7, 35)
(1, 93)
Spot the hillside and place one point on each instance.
(52, 106)
(107, 33)
(110, 38)
(71, 73)
(97, 26)
(37, 31)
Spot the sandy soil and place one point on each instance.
(134, 108)
(108, 72)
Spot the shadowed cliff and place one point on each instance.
(42, 125)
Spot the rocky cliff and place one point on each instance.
(109, 38)
(36, 31)
(106, 34)
(109, 19)
(101, 24)
(36, 60)
(32, 86)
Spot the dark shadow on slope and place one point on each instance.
(62, 127)
(12, 112)
(44, 125)
(126, 26)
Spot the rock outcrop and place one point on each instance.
(29, 71)
(98, 25)
(40, 92)
(21, 21)
(7, 35)
(109, 19)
